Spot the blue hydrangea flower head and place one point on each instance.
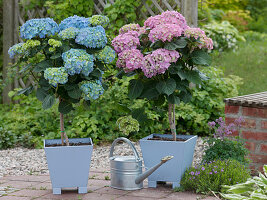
(56, 75)
(101, 20)
(77, 61)
(38, 28)
(106, 55)
(92, 37)
(69, 33)
(91, 90)
(16, 49)
(74, 21)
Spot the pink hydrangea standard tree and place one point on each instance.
(163, 55)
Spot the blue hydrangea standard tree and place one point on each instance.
(66, 60)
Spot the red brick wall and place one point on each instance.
(254, 130)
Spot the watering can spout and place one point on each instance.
(147, 173)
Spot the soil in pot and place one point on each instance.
(165, 138)
(71, 144)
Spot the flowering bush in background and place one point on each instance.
(163, 55)
(211, 176)
(224, 35)
(221, 146)
(66, 60)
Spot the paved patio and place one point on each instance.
(39, 187)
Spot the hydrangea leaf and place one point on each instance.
(41, 66)
(200, 57)
(173, 99)
(48, 101)
(180, 43)
(65, 107)
(166, 86)
(25, 91)
(75, 93)
(135, 88)
(150, 93)
(41, 94)
(193, 76)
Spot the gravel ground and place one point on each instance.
(20, 161)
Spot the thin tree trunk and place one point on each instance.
(174, 126)
(62, 131)
(171, 115)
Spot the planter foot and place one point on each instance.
(82, 190)
(175, 185)
(56, 190)
(152, 184)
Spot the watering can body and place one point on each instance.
(126, 171)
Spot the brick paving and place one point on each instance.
(39, 188)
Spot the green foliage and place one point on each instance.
(225, 5)
(207, 102)
(253, 188)
(120, 13)
(250, 57)
(238, 18)
(213, 175)
(227, 148)
(254, 36)
(8, 139)
(224, 35)
(99, 121)
(61, 9)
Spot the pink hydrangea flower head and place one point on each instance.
(158, 62)
(167, 17)
(197, 33)
(153, 21)
(165, 32)
(174, 17)
(126, 41)
(129, 27)
(130, 60)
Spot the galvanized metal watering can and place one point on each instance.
(126, 171)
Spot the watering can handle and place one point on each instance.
(128, 142)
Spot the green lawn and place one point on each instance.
(248, 62)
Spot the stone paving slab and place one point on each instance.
(40, 188)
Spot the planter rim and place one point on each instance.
(90, 140)
(190, 137)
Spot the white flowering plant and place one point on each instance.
(224, 35)
(163, 57)
(67, 60)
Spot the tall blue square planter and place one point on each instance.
(69, 165)
(173, 170)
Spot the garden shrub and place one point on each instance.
(224, 35)
(238, 18)
(254, 36)
(61, 9)
(222, 146)
(120, 13)
(99, 122)
(8, 139)
(207, 102)
(213, 175)
(225, 5)
(253, 188)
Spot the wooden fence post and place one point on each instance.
(189, 11)
(8, 40)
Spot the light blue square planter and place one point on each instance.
(173, 170)
(69, 165)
